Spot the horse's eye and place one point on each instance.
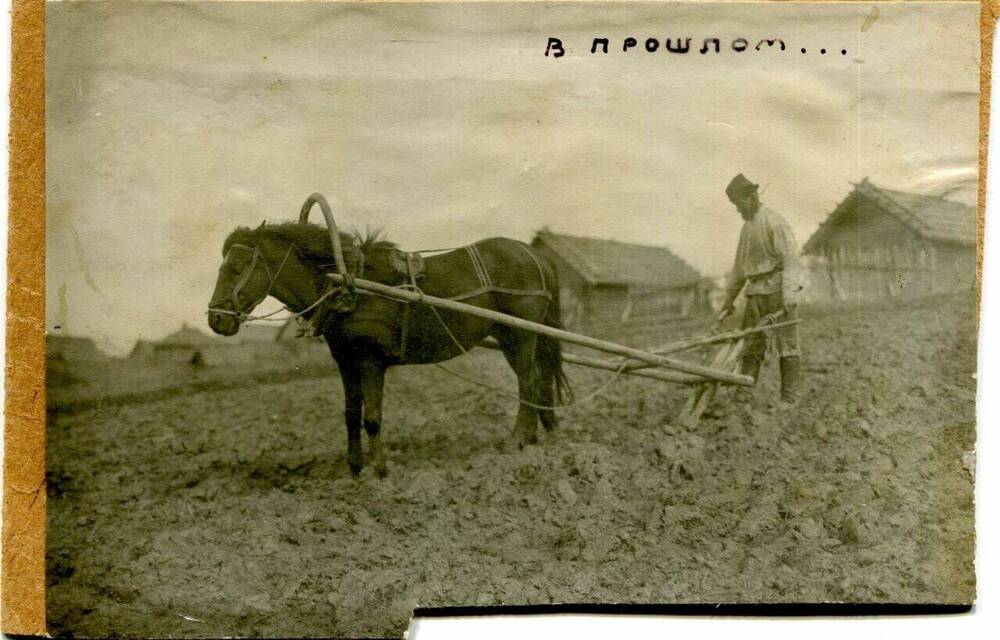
(235, 263)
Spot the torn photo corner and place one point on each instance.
(357, 308)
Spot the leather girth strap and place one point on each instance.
(412, 266)
(486, 281)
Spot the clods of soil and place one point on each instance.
(232, 511)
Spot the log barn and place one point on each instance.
(882, 243)
(254, 343)
(606, 282)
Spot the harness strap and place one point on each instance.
(241, 282)
(538, 264)
(486, 282)
(478, 265)
(404, 332)
(543, 293)
(245, 276)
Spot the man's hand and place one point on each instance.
(722, 315)
(790, 309)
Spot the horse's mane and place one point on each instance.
(311, 241)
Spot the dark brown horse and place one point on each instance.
(368, 334)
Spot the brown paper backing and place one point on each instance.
(22, 608)
(23, 577)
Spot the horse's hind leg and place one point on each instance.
(547, 398)
(519, 349)
(548, 359)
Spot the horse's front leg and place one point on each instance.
(353, 407)
(373, 382)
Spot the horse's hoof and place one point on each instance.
(381, 472)
(355, 470)
(525, 440)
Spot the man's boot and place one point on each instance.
(789, 379)
(750, 366)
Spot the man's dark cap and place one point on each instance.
(739, 186)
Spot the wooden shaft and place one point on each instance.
(690, 343)
(545, 330)
(608, 365)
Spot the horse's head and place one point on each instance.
(286, 261)
(245, 279)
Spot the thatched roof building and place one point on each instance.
(605, 280)
(883, 242)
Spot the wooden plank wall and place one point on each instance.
(872, 255)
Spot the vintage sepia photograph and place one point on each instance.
(353, 308)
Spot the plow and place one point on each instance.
(719, 366)
(722, 366)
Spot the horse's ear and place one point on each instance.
(262, 224)
(352, 255)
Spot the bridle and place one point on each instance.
(255, 259)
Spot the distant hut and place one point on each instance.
(606, 281)
(881, 243)
(68, 358)
(187, 336)
(186, 345)
(71, 348)
(268, 343)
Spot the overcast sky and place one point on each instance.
(169, 125)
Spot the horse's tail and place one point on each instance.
(550, 349)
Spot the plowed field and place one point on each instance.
(232, 511)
